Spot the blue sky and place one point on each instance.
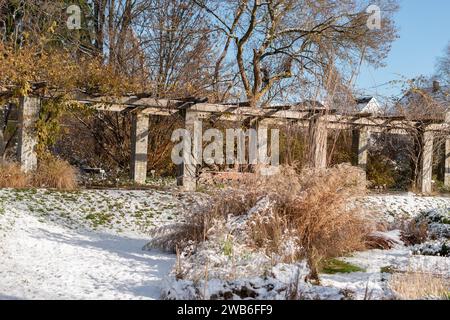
(424, 30)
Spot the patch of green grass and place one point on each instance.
(388, 269)
(201, 189)
(227, 247)
(138, 214)
(99, 218)
(333, 266)
(41, 211)
(69, 197)
(19, 197)
(169, 206)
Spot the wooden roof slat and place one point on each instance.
(237, 112)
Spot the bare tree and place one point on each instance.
(443, 67)
(278, 41)
(176, 41)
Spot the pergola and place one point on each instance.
(319, 121)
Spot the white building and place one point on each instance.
(368, 105)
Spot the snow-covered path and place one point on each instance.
(41, 259)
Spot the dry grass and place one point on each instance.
(414, 232)
(55, 173)
(317, 208)
(312, 209)
(418, 286)
(12, 177)
(380, 241)
(51, 173)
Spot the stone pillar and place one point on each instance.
(360, 146)
(447, 163)
(139, 147)
(3, 124)
(263, 131)
(426, 163)
(192, 154)
(318, 143)
(28, 115)
(447, 155)
(268, 162)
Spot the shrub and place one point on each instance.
(55, 173)
(321, 213)
(439, 248)
(11, 176)
(415, 232)
(383, 241)
(432, 224)
(311, 209)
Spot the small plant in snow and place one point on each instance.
(433, 248)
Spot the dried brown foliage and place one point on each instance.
(51, 173)
(418, 286)
(11, 176)
(380, 241)
(414, 232)
(313, 209)
(55, 173)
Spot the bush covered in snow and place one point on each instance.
(438, 221)
(434, 233)
(433, 248)
(245, 230)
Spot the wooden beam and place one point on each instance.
(130, 101)
(234, 112)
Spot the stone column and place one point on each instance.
(268, 162)
(360, 145)
(192, 154)
(139, 147)
(28, 115)
(447, 155)
(426, 163)
(318, 143)
(263, 158)
(447, 163)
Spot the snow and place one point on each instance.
(403, 206)
(210, 274)
(88, 245)
(50, 255)
(433, 248)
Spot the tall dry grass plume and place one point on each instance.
(11, 176)
(311, 211)
(55, 173)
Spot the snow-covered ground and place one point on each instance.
(211, 273)
(82, 245)
(88, 245)
(404, 206)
